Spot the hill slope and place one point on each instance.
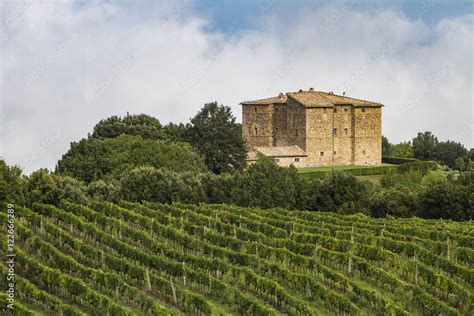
(181, 259)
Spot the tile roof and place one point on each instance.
(274, 100)
(277, 151)
(313, 98)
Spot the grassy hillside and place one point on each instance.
(158, 259)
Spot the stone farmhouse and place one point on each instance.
(313, 128)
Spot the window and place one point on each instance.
(335, 110)
(296, 132)
(297, 159)
(255, 109)
(334, 132)
(345, 110)
(276, 129)
(277, 160)
(250, 130)
(346, 131)
(321, 153)
(334, 153)
(363, 109)
(255, 130)
(363, 152)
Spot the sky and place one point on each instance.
(65, 65)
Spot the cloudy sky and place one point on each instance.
(67, 64)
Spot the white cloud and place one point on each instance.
(66, 66)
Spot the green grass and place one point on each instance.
(374, 179)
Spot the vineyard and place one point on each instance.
(157, 259)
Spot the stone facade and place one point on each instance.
(329, 129)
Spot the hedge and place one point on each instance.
(356, 171)
(397, 160)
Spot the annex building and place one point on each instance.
(313, 128)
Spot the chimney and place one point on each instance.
(300, 90)
(344, 93)
(330, 92)
(311, 89)
(281, 95)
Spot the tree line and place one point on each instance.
(426, 146)
(137, 158)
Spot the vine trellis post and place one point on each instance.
(173, 289)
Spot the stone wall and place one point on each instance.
(257, 127)
(319, 140)
(367, 129)
(280, 125)
(298, 162)
(296, 125)
(343, 135)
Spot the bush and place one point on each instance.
(264, 184)
(160, 185)
(44, 187)
(446, 200)
(397, 160)
(396, 201)
(93, 159)
(421, 166)
(356, 171)
(338, 192)
(12, 184)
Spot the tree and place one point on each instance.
(460, 164)
(12, 184)
(44, 187)
(218, 138)
(343, 193)
(446, 200)
(93, 159)
(396, 201)
(161, 185)
(424, 146)
(175, 132)
(448, 151)
(386, 147)
(402, 150)
(265, 184)
(138, 125)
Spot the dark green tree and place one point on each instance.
(447, 152)
(424, 146)
(12, 184)
(386, 147)
(265, 184)
(93, 159)
(161, 185)
(397, 201)
(218, 138)
(138, 125)
(44, 187)
(342, 193)
(175, 132)
(448, 200)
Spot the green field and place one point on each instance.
(156, 259)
